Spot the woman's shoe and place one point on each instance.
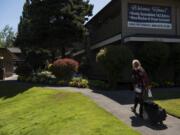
(141, 116)
(133, 110)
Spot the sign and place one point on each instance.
(149, 16)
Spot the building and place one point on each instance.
(6, 62)
(136, 21)
(18, 57)
(9, 58)
(133, 23)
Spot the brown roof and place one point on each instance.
(14, 50)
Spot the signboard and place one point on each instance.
(149, 16)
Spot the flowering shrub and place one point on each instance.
(50, 67)
(44, 77)
(64, 68)
(79, 82)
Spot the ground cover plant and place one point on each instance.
(36, 111)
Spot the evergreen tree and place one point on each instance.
(23, 38)
(54, 24)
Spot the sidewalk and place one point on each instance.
(12, 78)
(118, 103)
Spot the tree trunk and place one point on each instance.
(63, 52)
(53, 55)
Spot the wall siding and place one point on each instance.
(178, 21)
(7, 62)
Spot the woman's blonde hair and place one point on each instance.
(136, 61)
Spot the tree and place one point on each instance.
(154, 57)
(114, 60)
(37, 58)
(23, 38)
(7, 37)
(175, 59)
(54, 24)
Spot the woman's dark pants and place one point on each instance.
(139, 100)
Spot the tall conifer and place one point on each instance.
(53, 23)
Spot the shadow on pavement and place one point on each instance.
(10, 89)
(126, 97)
(123, 97)
(138, 122)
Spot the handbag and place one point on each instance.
(138, 90)
(150, 93)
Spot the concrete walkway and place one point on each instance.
(119, 102)
(12, 78)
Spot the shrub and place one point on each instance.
(45, 74)
(62, 83)
(21, 78)
(114, 60)
(37, 58)
(53, 81)
(84, 66)
(175, 58)
(44, 77)
(154, 85)
(168, 84)
(34, 79)
(65, 68)
(97, 84)
(50, 67)
(24, 70)
(79, 82)
(154, 56)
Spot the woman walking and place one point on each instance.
(140, 83)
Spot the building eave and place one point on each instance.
(79, 53)
(151, 39)
(107, 42)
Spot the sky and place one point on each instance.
(11, 10)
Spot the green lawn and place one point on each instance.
(37, 111)
(170, 100)
(172, 106)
